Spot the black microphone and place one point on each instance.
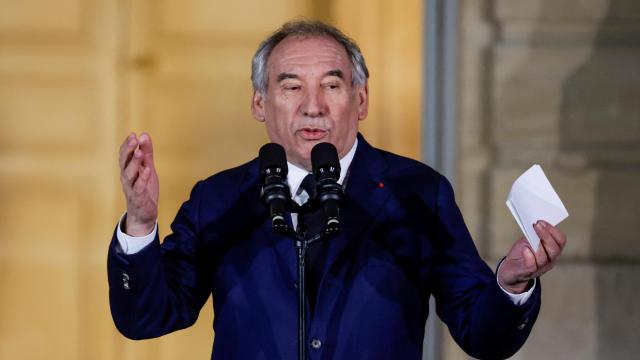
(275, 192)
(326, 169)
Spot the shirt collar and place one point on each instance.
(296, 174)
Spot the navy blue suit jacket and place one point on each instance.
(403, 240)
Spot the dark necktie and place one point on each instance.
(316, 252)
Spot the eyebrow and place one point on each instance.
(336, 72)
(283, 76)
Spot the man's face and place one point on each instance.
(310, 98)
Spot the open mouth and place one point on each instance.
(312, 134)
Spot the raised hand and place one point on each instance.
(139, 184)
(523, 264)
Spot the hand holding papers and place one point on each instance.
(532, 198)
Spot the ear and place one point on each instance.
(362, 92)
(257, 106)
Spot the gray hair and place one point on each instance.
(306, 28)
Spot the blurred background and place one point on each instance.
(480, 89)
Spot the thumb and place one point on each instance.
(529, 259)
(146, 146)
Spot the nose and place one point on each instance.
(313, 104)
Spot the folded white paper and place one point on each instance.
(532, 198)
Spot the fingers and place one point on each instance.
(139, 182)
(144, 175)
(136, 154)
(541, 255)
(132, 142)
(552, 240)
(147, 149)
(126, 150)
(559, 237)
(522, 263)
(529, 261)
(132, 170)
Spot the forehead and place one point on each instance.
(296, 53)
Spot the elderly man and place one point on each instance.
(403, 236)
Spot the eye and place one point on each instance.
(332, 86)
(292, 87)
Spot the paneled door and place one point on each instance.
(59, 118)
(188, 84)
(75, 77)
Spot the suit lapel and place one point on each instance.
(364, 196)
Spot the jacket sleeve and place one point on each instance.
(161, 288)
(480, 316)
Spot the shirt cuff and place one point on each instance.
(517, 299)
(133, 244)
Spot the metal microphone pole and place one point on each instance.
(301, 243)
(301, 248)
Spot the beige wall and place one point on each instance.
(558, 83)
(553, 82)
(77, 75)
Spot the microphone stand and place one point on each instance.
(302, 242)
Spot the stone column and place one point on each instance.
(558, 83)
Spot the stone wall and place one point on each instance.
(558, 83)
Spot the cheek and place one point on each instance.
(283, 112)
(346, 104)
(278, 130)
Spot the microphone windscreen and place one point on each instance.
(323, 155)
(271, 155)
